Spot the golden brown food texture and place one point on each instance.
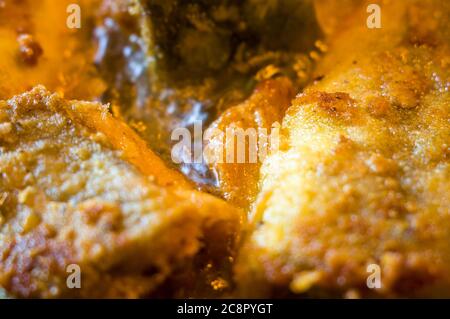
(333, 15)
(77, 186)
(261, 112)
(38, 48)
(363, 176)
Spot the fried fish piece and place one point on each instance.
(78, 187)
(250, 127)
(362, 179)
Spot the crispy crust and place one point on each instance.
(79, 187)
(364, 175)
(262, 110)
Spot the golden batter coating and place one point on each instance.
(261, 112)
(79, 187)
(363, 176)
